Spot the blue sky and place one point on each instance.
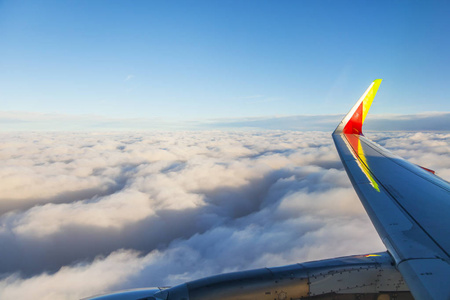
(192, 60)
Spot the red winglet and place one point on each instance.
(354, 120)
(354, 125)
(429, 170)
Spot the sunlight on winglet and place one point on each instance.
(354, 143)
(351, 127)
(353, 121)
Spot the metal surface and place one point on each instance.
(127, 294)
(354, 277)
(408, 206)
(372, 275)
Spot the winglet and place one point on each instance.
(353, 121)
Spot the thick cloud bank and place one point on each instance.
(85, 213)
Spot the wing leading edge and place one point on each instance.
(408, 206)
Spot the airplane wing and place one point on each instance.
(408, 205)
(410, 208)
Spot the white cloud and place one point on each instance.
(183, 204)
(113, 211)
(129, 77)
(75, 282)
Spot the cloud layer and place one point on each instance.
(18, 121)
(86, 213)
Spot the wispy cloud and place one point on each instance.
(251, 97)
(256, 99)
(129, 77)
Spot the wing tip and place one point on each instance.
(378, 80)
(353, 121)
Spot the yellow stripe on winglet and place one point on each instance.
(365, 167)
(367, 102)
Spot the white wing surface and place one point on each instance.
(408, 205)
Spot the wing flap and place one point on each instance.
(426, 278)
